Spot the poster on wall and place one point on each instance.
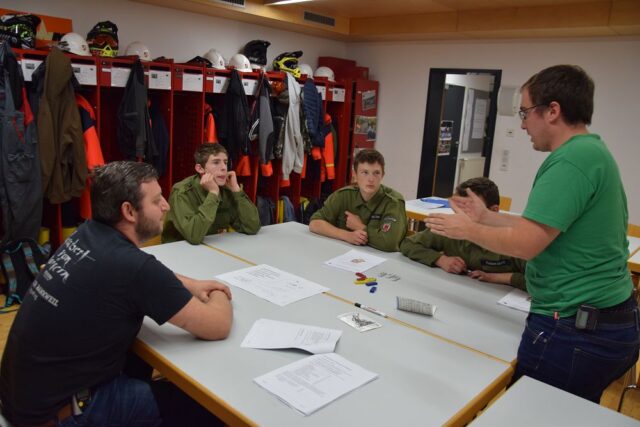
(366, 125)
(446, 135)
(368, 100)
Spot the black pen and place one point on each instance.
(370, 309)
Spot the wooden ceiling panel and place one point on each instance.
(581, 15)
(361, 20)
(372, 8)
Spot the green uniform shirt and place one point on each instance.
(196, 213)
(426, 247)
(383, 214)
(578, 191)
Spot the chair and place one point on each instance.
(633, 385)
(505, 203)
(633, 374)
(152, 242)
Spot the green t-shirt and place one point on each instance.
(578, 191)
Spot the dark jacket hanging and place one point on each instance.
(314, 113)
(160, 138)
(135, 138)
(20, 182)
(233, 130)
(265, 143)
(62, 155)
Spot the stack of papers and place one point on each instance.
(434, 202)
(355, 261)
(270, 334)
(427, 208)
(517, 299)
(272, 284)
(313, 382)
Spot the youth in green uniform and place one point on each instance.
(462, 256)
(210, 201)
(367, 213)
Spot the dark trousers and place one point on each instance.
(581, 362)
(176, 408)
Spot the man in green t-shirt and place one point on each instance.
(210, 201)
(462, 256)
(367, 213)
(582, 332)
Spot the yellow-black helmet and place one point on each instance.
(288, 61)
(103, 39)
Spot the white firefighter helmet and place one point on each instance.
(74, 43)
(306, 69)
(325, 72)
(217, 61)
(137, 48)
(240, 63)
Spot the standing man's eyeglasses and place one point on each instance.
(524, 112)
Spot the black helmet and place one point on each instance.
(256, 51)
(103, 39)
(288, 61)
(199, 60)
(19, 29)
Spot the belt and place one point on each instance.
(616, 317)
(63, 413)
(625, 312)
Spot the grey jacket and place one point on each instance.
(293, 155)
(20, 182)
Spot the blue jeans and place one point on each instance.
(581, 362)
(121, 402)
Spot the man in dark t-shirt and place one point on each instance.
(68, 344)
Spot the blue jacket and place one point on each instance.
(313, 111)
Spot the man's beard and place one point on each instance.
(146, 229)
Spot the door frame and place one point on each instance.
(435, 97)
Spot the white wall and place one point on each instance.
(403, 71)
(176, 34)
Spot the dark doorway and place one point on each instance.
(442, 130)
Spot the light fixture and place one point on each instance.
(281, 2)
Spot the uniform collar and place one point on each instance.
(374, 201)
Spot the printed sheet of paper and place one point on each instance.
(359, 322)
(517, 299)
(315, 381)
(355, 261)
(269, 334)
(272, 284)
